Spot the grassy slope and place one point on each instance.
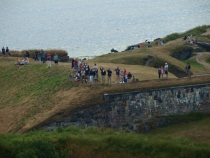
(183, 140)
(32, 94)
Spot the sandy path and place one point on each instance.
(201, 57)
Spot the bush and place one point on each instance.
(36, 149)
(182, 52)
(60, 53)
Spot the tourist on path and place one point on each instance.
(55, 58)
(166, 69)
(187, 69)
(109, 72)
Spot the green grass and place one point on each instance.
(208, 60)
(95, 142)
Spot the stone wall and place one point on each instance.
(142, 110)
(204, 45)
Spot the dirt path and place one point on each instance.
(201, 58)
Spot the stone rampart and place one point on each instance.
(204, 45)
(142, 110)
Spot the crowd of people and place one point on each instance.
(42, 57)
(86, 74)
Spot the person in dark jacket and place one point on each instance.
(43, 56)
(3, 51)
(109, 72)
(103, 74)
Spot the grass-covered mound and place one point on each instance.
(183, 140)
(196, 32)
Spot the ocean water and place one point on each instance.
(94, 27)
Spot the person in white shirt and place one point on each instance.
(166, 70)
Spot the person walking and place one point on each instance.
(166, 69)
(109, 72)
(55, 58)
(187, 69)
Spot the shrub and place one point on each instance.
(39, 148)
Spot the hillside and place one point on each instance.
(31, 95)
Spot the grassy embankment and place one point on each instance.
(32, 95)
(183, 140)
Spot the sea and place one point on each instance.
(93, 27)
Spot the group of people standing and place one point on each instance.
(164, 70)
(5, 52)
(42, 57)
(85, 73)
